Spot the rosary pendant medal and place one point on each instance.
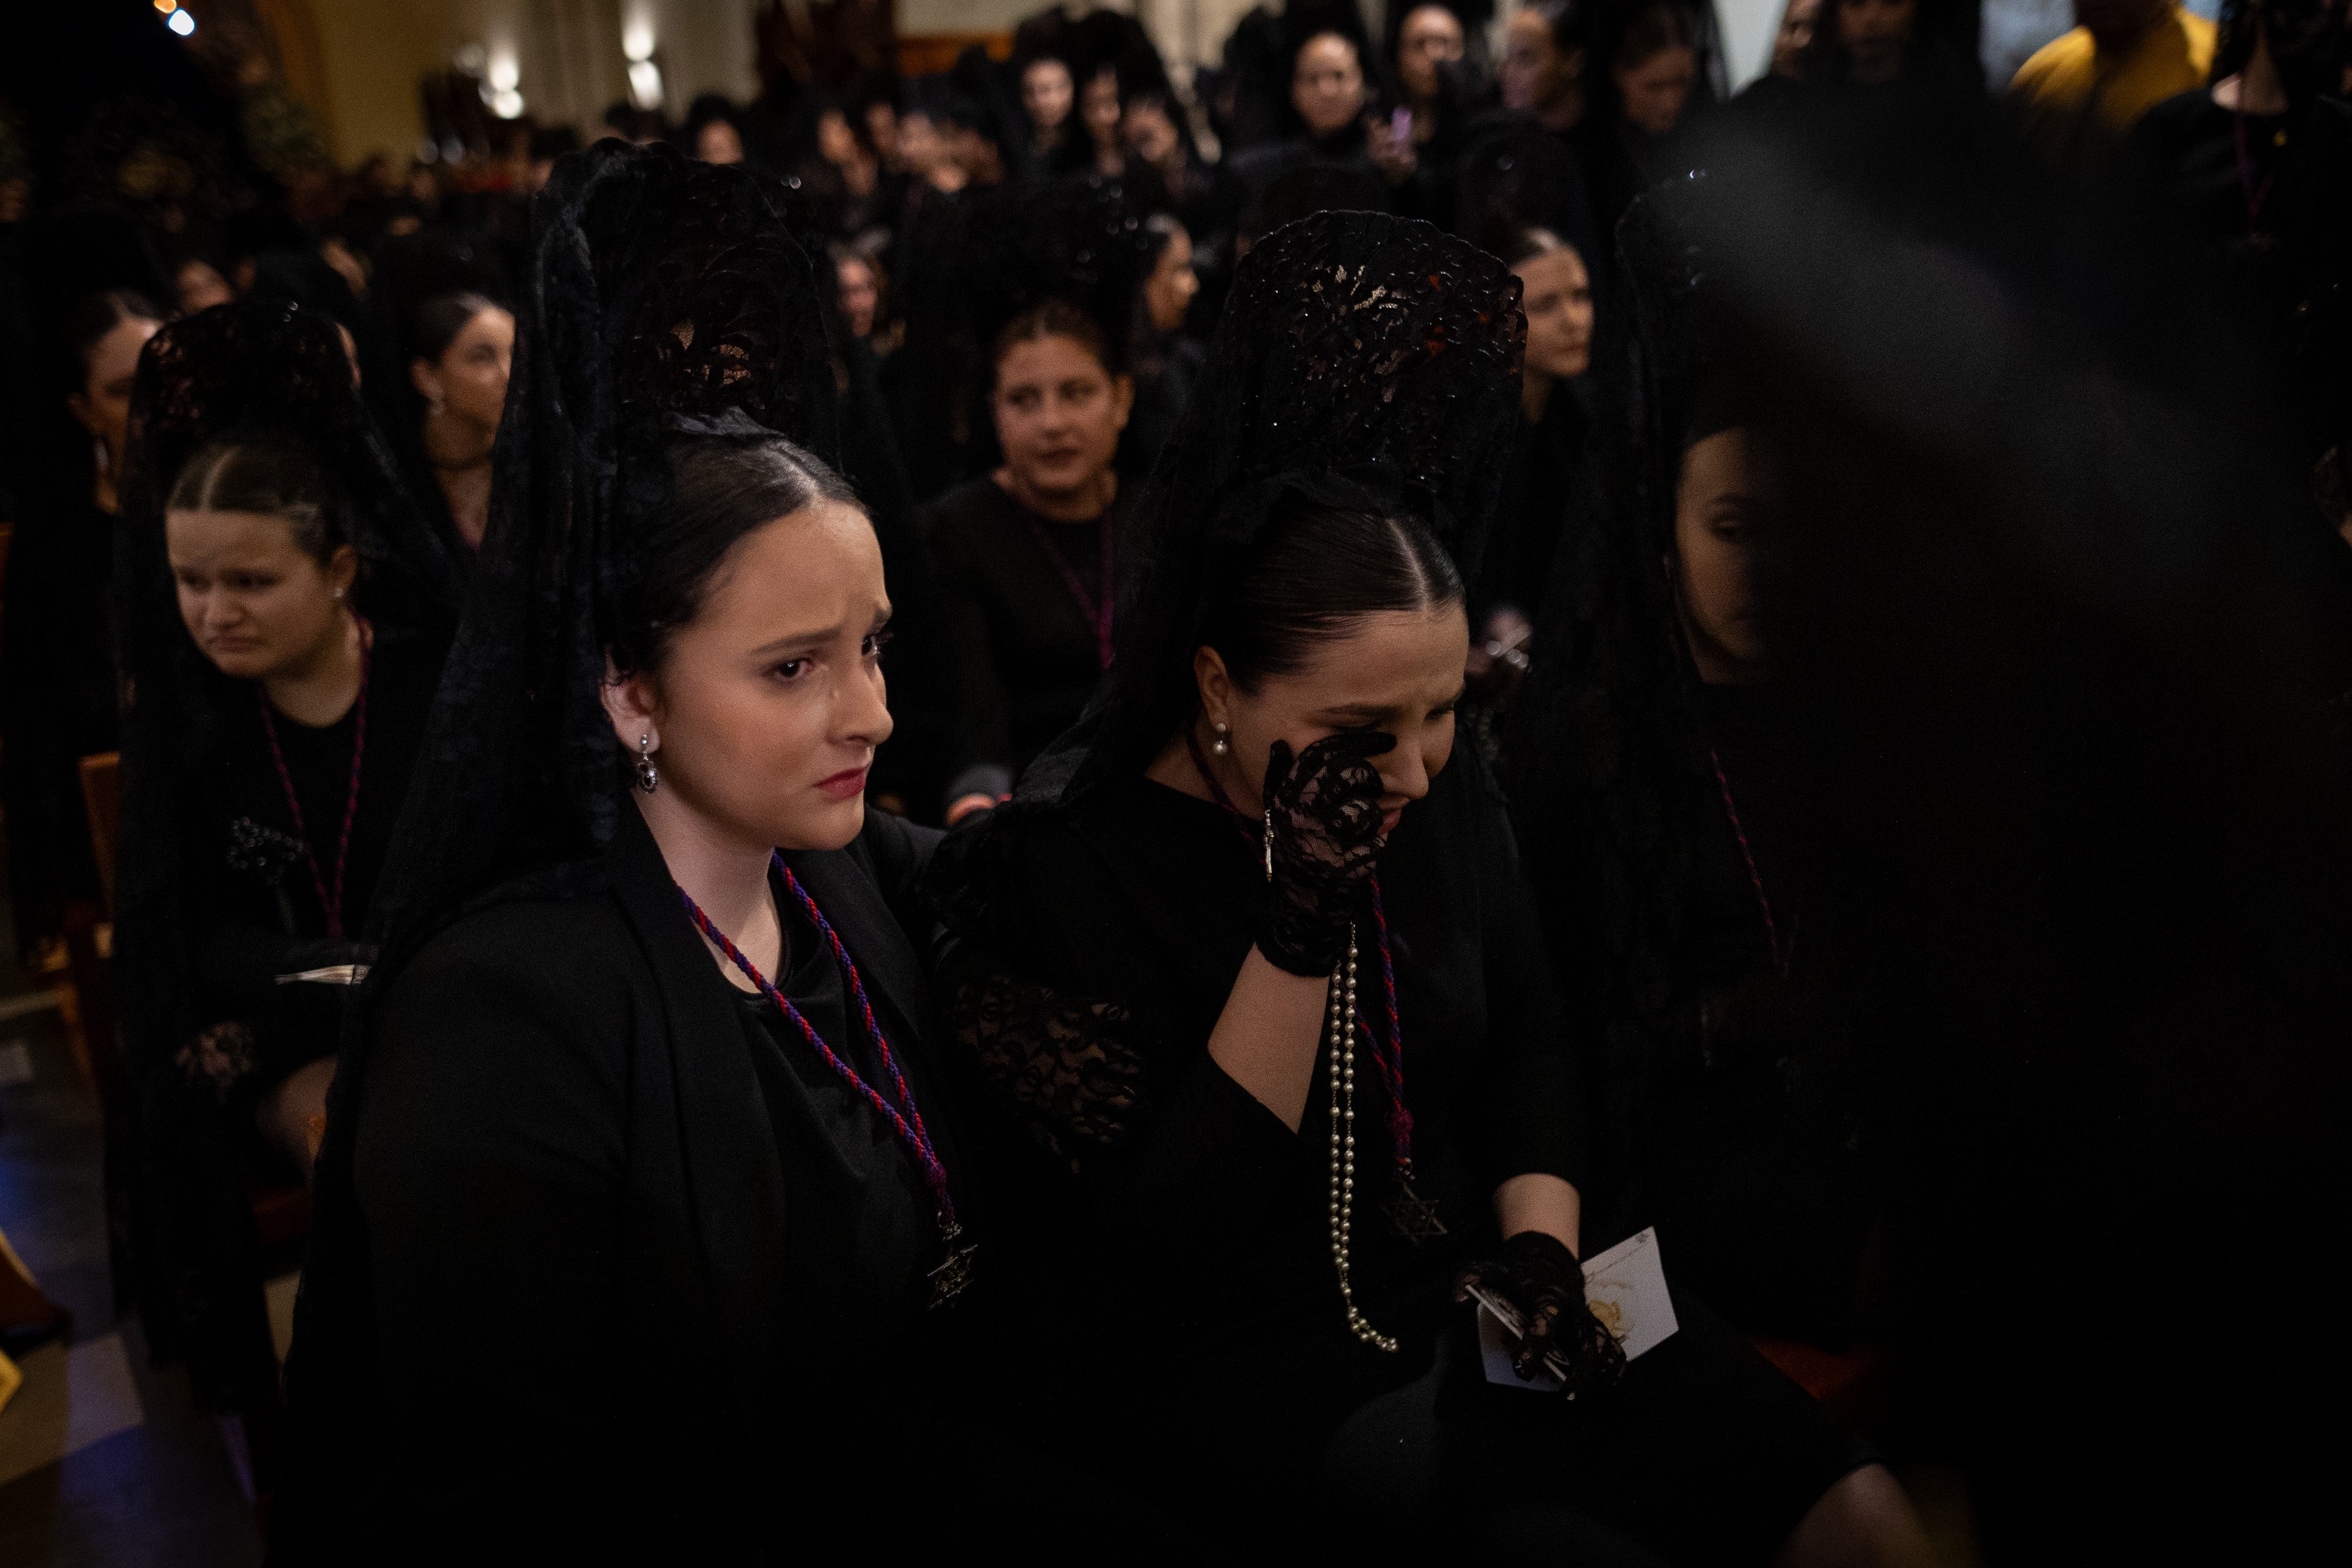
(954, 1273)
(1414, 1217)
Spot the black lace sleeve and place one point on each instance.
(1071, 1066)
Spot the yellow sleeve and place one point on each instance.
(2044, 71)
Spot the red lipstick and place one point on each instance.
(844, 786)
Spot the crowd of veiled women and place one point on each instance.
(1797, 646)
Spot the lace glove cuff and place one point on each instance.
(1540, 1277)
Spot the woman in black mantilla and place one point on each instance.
(285, 611)
(1025, 558)
(1254, 1244)
(664, 1233)
(1656, 790)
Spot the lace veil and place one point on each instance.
(1080, 241)
(1607, 738)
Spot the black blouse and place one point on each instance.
(622, 1220)
(252, 909)
(879, 1232)
(1024, 651)
(1090, 1005)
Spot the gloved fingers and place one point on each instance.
(1357, 744)
(1279, 762)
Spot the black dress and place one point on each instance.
(1175, 1230)
(1025, 652)
(1753, 1157)
(58, 672)
(646, 1276)
(253, 909)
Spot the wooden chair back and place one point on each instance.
(102, 798)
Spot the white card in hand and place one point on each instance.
(1626, 1288)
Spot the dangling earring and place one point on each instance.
(1220, 746)
(648, 776)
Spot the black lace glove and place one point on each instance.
(1323, 818)
(1534, 1273)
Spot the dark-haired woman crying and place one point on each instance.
(1251, 965)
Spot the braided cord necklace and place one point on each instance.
(330, 894)
(1414, 1217)
(906, 1119)
(1782, 956)
(1096, 606)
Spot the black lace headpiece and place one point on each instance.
(241, 370)
(1079, 240)
(279, 368)
(1363, 359)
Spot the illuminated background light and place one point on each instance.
(638, 33)
(645, 85)
(181, 23)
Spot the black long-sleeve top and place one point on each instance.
(251, 907)
(1117, 937)
(669, 1267)
(1022, 652)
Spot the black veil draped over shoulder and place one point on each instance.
(668, 297)
(1609, 765)
(1363, 360)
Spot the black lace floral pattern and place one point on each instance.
(1070, 1064)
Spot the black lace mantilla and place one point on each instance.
(1358, 353)
(694, 302)
(1080, 241)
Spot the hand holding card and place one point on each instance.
(1625, 1289)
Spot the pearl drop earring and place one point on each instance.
(1220, 746)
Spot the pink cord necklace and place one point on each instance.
(949, 1280)
(1096, 606)
(1781, 956)
(330, 895)
(1416, 1217)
